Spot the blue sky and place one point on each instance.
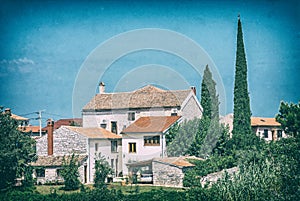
(44, 45)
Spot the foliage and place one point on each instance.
(16, 151)
(172, 132)
(205, 167)
(241, 132)
(221, 147)
(184, 138)
(289, 117)
(209, 98)
(102, 170)
(70, 172)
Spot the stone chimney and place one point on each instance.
(50, 125)
(194, 90)
(101, 88)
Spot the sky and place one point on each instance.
(47, 47)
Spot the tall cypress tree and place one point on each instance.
(241, 121)
(209, 97)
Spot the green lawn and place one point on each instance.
(47, 189)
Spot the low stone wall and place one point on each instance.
(167, 175)
(214, 177)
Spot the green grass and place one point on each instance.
(47, 189)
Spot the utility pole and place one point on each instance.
(40, 120)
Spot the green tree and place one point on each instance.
(241, 132)
(184, 138)
(171, 133)
(102, 170)
(209, 98)
(70, 172)
(289, 117)
(16, 151)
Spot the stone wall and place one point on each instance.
(65, 142)
(191, 109)
(214, 177)
(167, 175)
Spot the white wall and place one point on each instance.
(142, 152)
(259, 131)
(104, 148)
(94, 119)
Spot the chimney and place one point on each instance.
(101, 88)
(7, 111)
(194, 89)
(50, 124)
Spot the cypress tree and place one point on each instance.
(209, 97)
(241, 121)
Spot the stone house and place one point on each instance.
(85, 142)
(267, 128)
(145, 139)
(116, 111)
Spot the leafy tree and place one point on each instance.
(289, 117)
(102, 170)
(16, 151)
(184, 138)
(70, 172)
(172, 132)
(241, 132)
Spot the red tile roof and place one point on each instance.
(146, 97)
(67, 122)
(152, 124)
(96, 133)
(19, 118)
(34, 129)
(178, 161)
(263, 121)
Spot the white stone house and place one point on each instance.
(267, 128)
(145, 139)
(85, 142)
(116, 111)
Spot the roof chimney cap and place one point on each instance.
(101, 88)
(193, 88)
(7, 111)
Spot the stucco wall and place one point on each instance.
(94, 119)
(142, 152)
(167, 175)
(104, 148)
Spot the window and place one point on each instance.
(132, 147)
(58, 173)
(152, 140)
(266, 135)
(112, 164)
(114, 127)
(40, 172)
(114, 146)
(279, 133)
(173, 114)
(96, 147)
(103, 126)
(131, 116)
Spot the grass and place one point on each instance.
(47, 189)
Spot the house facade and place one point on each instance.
(116, 111)
(145, 139)
(88, 143)
(267, 128)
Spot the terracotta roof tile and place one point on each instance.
(19, 118)
(54, 160)
(146, 97)
(97, 133)
(34, 129)
(262, 121)
(152, 124)
(178, 161)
